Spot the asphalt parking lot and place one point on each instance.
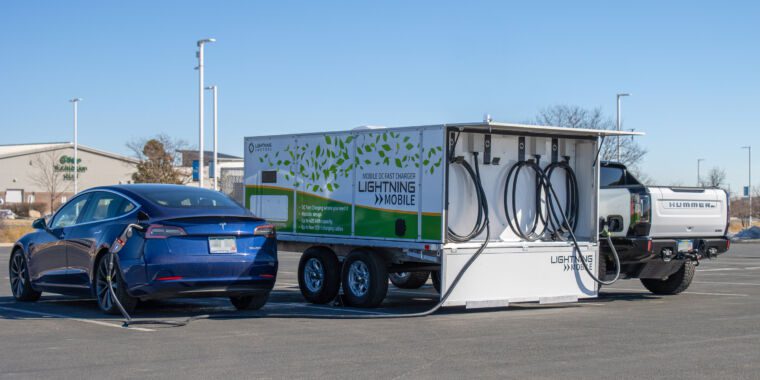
(711, 331)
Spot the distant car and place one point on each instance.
(7, 214)
(194, 242)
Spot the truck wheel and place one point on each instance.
(409, 280)
(675, 283)
(319, 275)
(602, 273)
(365, 279)
(436, 277)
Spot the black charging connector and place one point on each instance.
(487, 150)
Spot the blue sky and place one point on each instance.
(300, 66)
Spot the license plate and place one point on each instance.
(685, 245)
(222, 245)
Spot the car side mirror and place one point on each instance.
(39, 224)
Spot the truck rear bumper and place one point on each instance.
(642, 250)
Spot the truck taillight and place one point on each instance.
(641, 208)
(267, 230)
(157, 231)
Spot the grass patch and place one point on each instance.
(10, 231)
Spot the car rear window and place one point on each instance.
(190, 198)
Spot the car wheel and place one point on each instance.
(18, 273)
(409, 280)
(675, 283)
(436, 277)
(319, 275)
(249, 302)
(365, 279)
(103, 294)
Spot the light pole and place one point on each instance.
(201, 43)
(214, 91)
(76, 101)
(749, 149)
(699, 180)
(618, 122)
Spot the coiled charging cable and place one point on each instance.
(556, 227)
(533, 233)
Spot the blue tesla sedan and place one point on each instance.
(192, 243)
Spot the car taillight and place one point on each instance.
(265, 230)
(157, 231)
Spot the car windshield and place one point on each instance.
(189, 198)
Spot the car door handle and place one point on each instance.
(97, 232)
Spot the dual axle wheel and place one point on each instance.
(363, 277)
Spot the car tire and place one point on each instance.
(249, 302)
(18, 273)
(675, 283)
(409, 280)
(436, 277)
(319, 275)
(102, 292)
(365, 279)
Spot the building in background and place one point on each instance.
(230, 171)
(43, 174)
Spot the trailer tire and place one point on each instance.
(436, 277)
(675, 283)
(365, 279)
(409, 280)
(319, 275)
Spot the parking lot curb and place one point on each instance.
(6, 245)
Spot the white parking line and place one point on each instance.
(719, 269)
(328, 308)
(695, 293)
(411, 292)
(726, 283)
(61, 316)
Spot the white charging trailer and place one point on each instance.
(363, 203)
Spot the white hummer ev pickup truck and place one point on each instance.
(659, 232)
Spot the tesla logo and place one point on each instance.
(222, 225)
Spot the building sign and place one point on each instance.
(66, 166)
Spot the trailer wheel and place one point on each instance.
(675, 283)
(409, 280)
(436, 277)
(319, 275)
(365, 279)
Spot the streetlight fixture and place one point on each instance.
(201, 44)
(699, 180)
(214, 91)
(618, 122)
(76, 101)
(749, 187)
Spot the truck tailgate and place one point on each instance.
(688, 212)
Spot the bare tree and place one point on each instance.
(631, 153)
(47, 176)
(159, 158)
(715, 178)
